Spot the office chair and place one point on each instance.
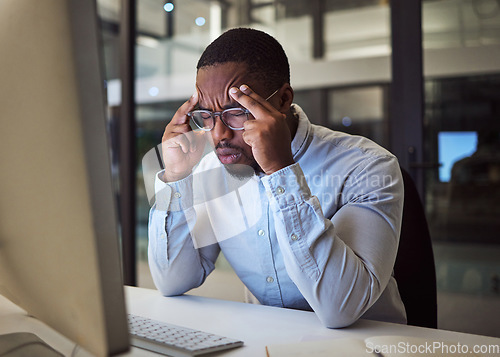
(414, 269)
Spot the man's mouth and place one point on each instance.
(228, 155)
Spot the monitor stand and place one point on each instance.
(22, 344)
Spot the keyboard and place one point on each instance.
(175, 341)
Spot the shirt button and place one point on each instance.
(294, 237)
(270, 279)
(261, 232)
(280, 190)
(177, 195)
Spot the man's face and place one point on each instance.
(213, 84)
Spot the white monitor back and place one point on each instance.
(59, 254)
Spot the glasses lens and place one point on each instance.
(234, 118)
(203, 119)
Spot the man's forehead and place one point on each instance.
(222, 75)
(213, 84)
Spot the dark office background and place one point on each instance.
(421, 78)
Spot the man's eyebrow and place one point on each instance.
(227, 106)
(232, 105)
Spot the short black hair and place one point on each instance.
(263, 54)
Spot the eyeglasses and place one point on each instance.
(233, 118)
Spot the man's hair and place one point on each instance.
(265, 58)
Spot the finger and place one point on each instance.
(185, 140)
(174, 129)
(257, 105)
(178, 128)
(196, 139)
(247, 138)
(249, 125)
(248, 91)
(178, 141)
(181, 116)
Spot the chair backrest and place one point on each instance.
(414, 269)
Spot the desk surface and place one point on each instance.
(256, 325)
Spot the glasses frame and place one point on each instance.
(213, 115)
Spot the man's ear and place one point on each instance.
(286, 98)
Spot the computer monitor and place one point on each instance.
(59, 252)
(453, 146)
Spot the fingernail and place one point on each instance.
(195, 94)
(243, 88)
(233, 90)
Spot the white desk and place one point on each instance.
(256, 325)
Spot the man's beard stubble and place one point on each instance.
(240, 171)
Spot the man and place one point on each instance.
(309, 218)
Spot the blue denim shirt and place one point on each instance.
(321, 234)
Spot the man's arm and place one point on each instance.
(176, 265)
(341, 264)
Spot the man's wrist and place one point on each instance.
(280, 166)
(168, 178)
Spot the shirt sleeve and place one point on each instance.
(176, 265)
(341, 264)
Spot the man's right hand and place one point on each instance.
(182, 147)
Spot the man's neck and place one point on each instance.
(292, 119)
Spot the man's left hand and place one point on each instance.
(268, 135)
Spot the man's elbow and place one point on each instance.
(170, 287)
(170, 290)
(168, 284)
(338, 319)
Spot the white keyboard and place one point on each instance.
(175, 341)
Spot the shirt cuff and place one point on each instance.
(287, 186)
(173, 196)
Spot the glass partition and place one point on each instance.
(357, 29)
(461, 23)
(360, 111)
(462, 142)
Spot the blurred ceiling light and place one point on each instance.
(153, 91)
(200, 21)
(168, 7)
(346, 121)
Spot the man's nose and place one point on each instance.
(220, 131)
